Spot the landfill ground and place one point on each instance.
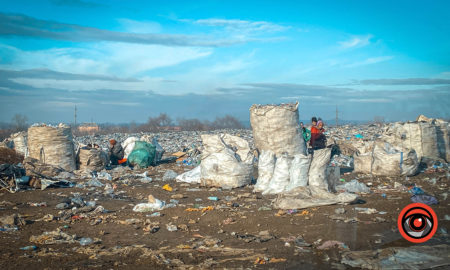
(240, 230)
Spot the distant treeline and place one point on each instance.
(163, 123)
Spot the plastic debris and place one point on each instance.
(29, 248)
(353, 186)
(426, 199)
(169, 175)
(171, 228)
(85, 241)
(167, 187)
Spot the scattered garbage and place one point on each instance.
(192, 176)
(143, 177)
(332, 243)
(311, 196)
(364, 210)
(416, 191)
(85, 241)
(169, 175)
(29, 248)
(94, 183)
(152, 205)
(413, 257)
(167, 187)
(171, 228)
(426, 199)
(53, 237)
(354, 186)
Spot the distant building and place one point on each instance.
(88, 127)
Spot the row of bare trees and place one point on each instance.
(163, 121)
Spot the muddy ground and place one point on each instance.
(238, 231)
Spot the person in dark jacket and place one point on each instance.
(318, 139)
(115, 152)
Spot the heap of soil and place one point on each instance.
(10, 156)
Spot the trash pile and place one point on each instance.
(198, 193)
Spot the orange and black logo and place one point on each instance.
(417, 222)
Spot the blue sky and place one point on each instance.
(120, 61)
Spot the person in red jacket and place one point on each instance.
(318, 139)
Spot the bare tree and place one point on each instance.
(19, 122)
(227, 121)
(192, 124)
(155, 123)
(165, 120)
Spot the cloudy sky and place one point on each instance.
(119, 61)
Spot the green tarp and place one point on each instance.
(143, 155)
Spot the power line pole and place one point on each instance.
(75, 116)
(336, 116)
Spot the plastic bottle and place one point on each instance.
(85, 241)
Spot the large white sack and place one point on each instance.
(391, 161)
(20, 142)
(420, 136)
(304, 197)
(266, 166)
(276, 128)
(443, 139)
(227, 161)
(280, 178)
(317, 170)
(128, 146)
(52, 145)
(92, 159)
(363, 163)
(192, 176)
(298, 173)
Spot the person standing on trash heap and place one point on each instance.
(313, 130)
(305, 132)
(115, 152)
(318, 139)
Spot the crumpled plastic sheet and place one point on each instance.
(353, 186)
(414, 257)
(426, 199)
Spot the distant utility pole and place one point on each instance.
(75, 116)
(336, 116)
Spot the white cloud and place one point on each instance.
(131, 104)
(107, 58)
(63, 104)
(357, 41)
(369, 61)
(370, 100)
(243, 25)
(143, 27)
